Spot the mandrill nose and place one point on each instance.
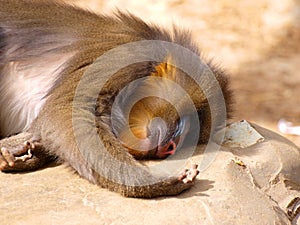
(166, 150)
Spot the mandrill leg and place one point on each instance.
(21, 152)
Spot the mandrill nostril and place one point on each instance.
(171, 148)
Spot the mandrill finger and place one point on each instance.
(6, 157)
(191, 174)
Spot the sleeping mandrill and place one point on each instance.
(46, 47)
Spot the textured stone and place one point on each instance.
(253, 185)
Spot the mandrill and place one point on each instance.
(49, 49)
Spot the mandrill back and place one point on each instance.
(49, 50)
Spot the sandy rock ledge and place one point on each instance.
(254, 185)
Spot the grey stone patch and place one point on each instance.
(241, 134)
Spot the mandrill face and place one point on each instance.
(155, 129)
(157, 134)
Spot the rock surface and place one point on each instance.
(253, 185)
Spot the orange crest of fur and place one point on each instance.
(165, 70)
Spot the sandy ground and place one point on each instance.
(255, 185)
(257, 42)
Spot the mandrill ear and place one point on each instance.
(165, 70)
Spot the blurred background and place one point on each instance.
(257, 42)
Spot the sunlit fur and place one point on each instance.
(46, 47)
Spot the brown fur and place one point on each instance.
(46, 39)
